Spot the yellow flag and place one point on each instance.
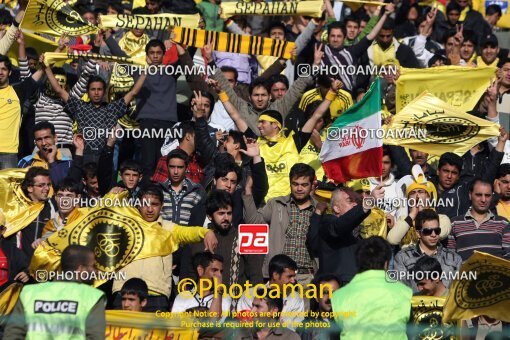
(138, 3)
(355, 4)
(40, 44)
(138, 325)
(459, 86)
(150, 22)
(235, 43)
(481, 5)
(55, 17)
(307, 8)
(8, 298)
(19, 210)
(427, 319)
(488, 294)
(375, 224)
(430, 125)
(54, 57)
(114, 230)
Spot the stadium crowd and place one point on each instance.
(243, 148)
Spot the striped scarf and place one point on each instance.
(234, 43)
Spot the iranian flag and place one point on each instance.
(352, 149)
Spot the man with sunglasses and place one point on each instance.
(428, 231)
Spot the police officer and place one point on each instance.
(61, 309)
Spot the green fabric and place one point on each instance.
(369, 105)
(212, 19)
(369, 307)
(368, 28)
(65, 311)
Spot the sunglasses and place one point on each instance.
(43, 185)
(428, 232)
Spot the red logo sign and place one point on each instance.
(357, 138)
(253, 239)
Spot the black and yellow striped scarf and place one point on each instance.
(234, 43)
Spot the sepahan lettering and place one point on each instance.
(267, 8)
(147, 22)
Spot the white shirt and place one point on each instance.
(185, 301)
(221, 118)
(337, 9)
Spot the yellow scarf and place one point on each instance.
(134, 46)
(464, 13)
(39, 162)
(389, 56)
(19, 210)
(480, 62)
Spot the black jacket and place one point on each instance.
(455, 201)
(406, 57)
(332, 239)
(484, 164)
(209, 151)
(16, 260)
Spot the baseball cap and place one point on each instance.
(489, 39)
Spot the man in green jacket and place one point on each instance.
(61, 309)
(372, 306)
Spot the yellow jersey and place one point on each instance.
(10, 120)
(279, 157)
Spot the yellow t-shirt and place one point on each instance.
(503, 209)
(310, 155)
(339, 105)
(279, 158)
(10, 120)
(384, 57)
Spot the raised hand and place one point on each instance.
(214, 84)
(378, 192)
(208, 49)
(197, 105)
(63, 41)
(252, 148)
(20, 38)
(336, 85)
(459, 36)
(318, 54)
(492, 90)
(168, 44)
(79, 142)
(388, 9)
(431, 16)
